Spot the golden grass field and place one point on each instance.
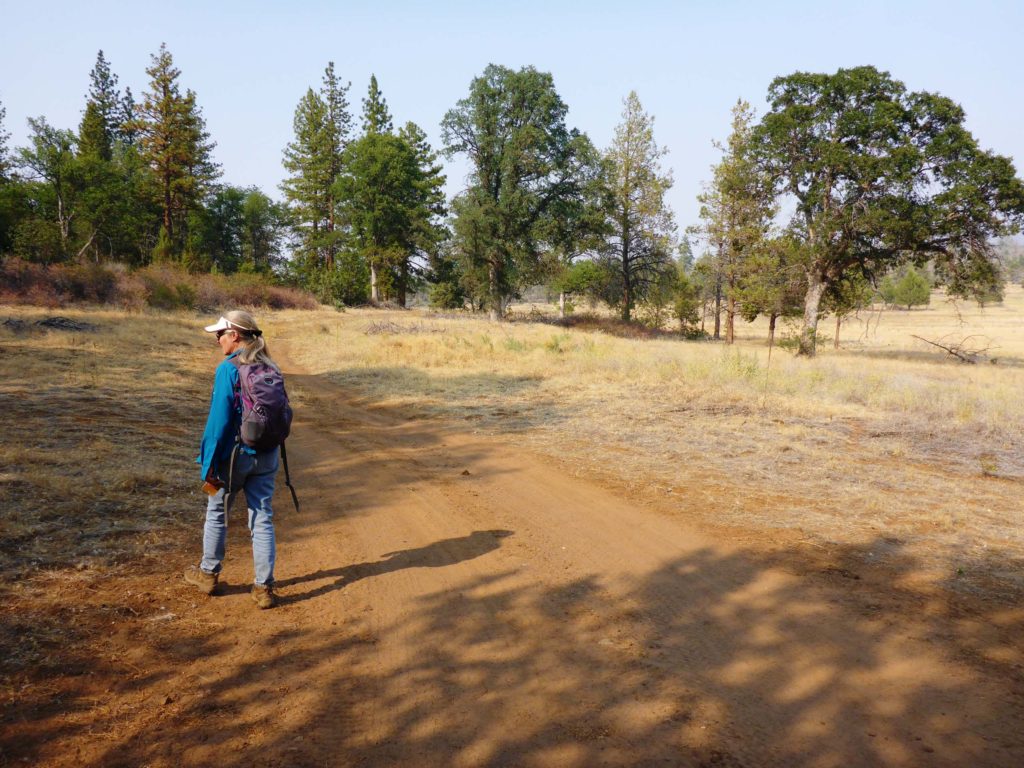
(885, 436)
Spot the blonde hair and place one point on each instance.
(254, 348)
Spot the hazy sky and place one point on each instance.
(250, 62)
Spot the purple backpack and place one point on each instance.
(266, 414)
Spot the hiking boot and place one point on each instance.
(263, 595)
(206, 582)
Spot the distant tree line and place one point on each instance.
(849, 189)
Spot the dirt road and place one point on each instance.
(449, 600)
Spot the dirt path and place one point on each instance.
(449, 600)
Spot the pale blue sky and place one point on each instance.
(250, 62)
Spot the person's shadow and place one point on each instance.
(437, 555)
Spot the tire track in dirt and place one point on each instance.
(450, 600)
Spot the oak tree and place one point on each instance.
(879, 176)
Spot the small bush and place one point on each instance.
(446, 296)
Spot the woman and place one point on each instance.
(226, 461)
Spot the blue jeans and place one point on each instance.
(254, 475)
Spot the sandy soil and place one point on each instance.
(449, 599)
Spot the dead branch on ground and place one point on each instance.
(961, 350)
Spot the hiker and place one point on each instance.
(229, 464)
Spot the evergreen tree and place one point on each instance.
(912, 290)
(512, 128)
(314, 161)
(376, 118)
(424, 239)
(127, 131)
(263, 224)
(772, 281)
(5, 162)
(101, 122)
(306, 189)
(686, 258)
(113, 207)
(217, 231)
(641, 222)
(390, 197)
(176, 146)
(737, 210)
(339, 126)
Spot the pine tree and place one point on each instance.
(737, 210)
(175, 144)
(5, 163)
(307, 188)
(391, 196)
(314, 161)
(339, 126)
(127, 131)
(376, 118)
(101, 122)
(642, 223)
(262, 228)
(912, 290)
(427, 232)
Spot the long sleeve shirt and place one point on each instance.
(223, 421)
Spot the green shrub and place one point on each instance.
(446, 296)
(912, 290)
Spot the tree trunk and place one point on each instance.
(730, 319)
(85, 247)
(403, 279)
(812, 300)
(771, 328)
(374, 285)
(627, 292)
(718, 309)
(561, 305)
(497, 310)
(168, 223)
(627, 284)
(839, 322)
(703, 315)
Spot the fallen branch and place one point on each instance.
(959, 349)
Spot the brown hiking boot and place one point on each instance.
(263, 595)
(206, 582)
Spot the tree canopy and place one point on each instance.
(525, 161)
(879, 176)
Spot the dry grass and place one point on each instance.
(884, 437)
(98, 430)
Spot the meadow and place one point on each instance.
(885, 436)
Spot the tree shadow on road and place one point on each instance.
(708, 659)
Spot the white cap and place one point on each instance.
(222, 324)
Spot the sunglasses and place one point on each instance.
(221, 333)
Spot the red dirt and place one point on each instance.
(449, 600)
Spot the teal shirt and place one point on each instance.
(223, 421)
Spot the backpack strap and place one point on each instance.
(287, 477)
(229, 497)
